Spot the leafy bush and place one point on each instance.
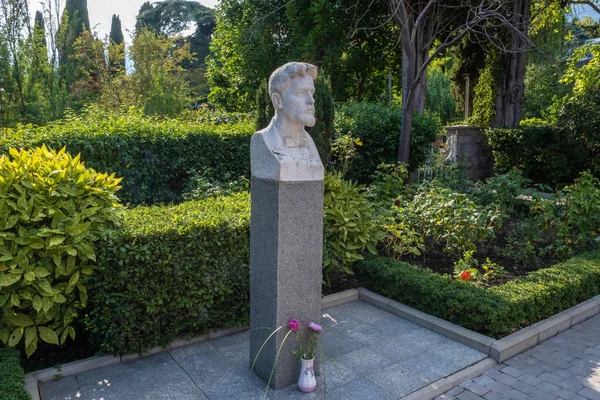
(349, 225)
(561, 226)
(378, 127)
(438, 216)
(580, 115)
(154, 157)
(546, 153)
(171, 272)
(505, 191)
(11, 384)
(52, 210)
(497, 311)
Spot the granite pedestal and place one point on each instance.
(286, 242)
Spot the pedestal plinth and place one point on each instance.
(286, 242)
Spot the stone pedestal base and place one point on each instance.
(286, 243)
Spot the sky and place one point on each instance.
(101, 11)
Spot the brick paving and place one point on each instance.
(566, 366)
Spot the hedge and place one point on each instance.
(155, 157)
(378, 127)
(171, 272)
(12, 376)
(497, 311)
(546, 153)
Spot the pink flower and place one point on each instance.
(315, 327)
(293, 325)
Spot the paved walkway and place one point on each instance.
(566, 366)
(376, 355)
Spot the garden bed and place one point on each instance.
(497, 311)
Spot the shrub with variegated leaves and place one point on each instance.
(52, 210)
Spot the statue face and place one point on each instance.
(298, 104)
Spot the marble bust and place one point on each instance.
(284, 151)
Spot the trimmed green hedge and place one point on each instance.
(546, 153)
(378, 127)
(172, 272)
(497, 311)
(155, 157)
(12, 376)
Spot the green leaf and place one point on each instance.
(71, 251)
(4, 298)
(29, 276)
(83, 295)
(47, 304)
(45, 287)
(74, 279)
(41, 272)
(18, 320)
(57, 258)
(56, 240)
(15, 337)
(9, 279)
(29, 350)
(30, 335)
(4, 334)
(59, 299)
(48, 335)
(87, 251)
(37, 303)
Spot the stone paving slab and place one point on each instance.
(371, 354)
(566, 366)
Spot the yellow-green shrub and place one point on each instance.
(52, 209)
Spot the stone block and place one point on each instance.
(552, 326)
(340, 298)
(585, 310)
(286, 242)
(514, 344)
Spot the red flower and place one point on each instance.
(293, 325)
(518, 166)
(397, 202)
(465, 275)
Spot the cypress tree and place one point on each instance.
(116, 33)
(40, 25)
(75, 20)
(116, 53)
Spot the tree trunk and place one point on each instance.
(408, 100)
(511, 87)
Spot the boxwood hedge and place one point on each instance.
(171, 272)
(12, 376)
(155, 157)
(497, 311)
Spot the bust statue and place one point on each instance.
(284, 151)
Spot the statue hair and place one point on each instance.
(279, 81)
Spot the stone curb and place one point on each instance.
(498, 349)
(535, 334)
(443, 385)
(340, 298)
(32, 379)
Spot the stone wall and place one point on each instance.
(470, 148)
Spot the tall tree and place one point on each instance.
(116, 46)
(74, 21)
(15, 27)
(253, 37)
(171, 17)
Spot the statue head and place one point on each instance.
(291, 88)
